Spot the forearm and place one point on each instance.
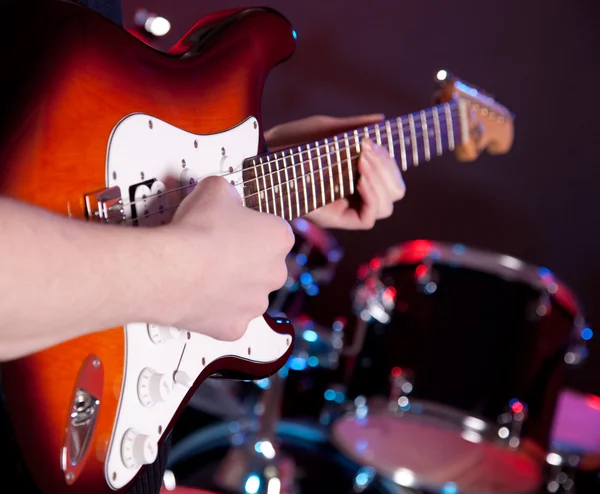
(61, 278)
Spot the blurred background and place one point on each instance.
(538, 58)
(473, 345)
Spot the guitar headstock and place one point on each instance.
(490, 125)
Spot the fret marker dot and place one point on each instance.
(291, 185)
(277, 189)
(262, 194)
(337, 188)
(431, 133)
(308, 179)
(407, 141)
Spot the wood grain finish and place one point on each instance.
(73, 77)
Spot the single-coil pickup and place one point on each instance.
(152, 204)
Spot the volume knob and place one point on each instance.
(161, 334)
(138, 449)
(153, 387)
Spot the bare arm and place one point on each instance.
(61, 278)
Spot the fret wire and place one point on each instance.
(450, 127)
(321, 174)
(287, 183)
(278, 187)
(349, 158)
(303, 179)
(339, 161)
(413, 140)
(330, 167)
(401, 138)
(378, 134)
(296, 185)
(357, 141)
(436, 129)
(425, 133)
(388, 130)
(312, 176)
(273, 189)
(260, 194)
(264, 177)
(366, 130)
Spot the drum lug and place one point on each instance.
(401, 385)
(426, 277)
(511, 423)
(374, 301)
(578, 350)
(542, 307)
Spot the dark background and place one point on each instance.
(538, 58)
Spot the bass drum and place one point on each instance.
(305, 463)
(468, 350)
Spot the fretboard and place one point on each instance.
(295, 181)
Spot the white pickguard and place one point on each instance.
(143, 148)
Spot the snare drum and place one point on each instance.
(484, 336)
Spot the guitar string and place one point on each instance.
(275, 161)
(351, 136)
(270, 199)
(335, 168)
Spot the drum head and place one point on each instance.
(427, 450)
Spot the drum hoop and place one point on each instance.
(502, 265)
(489, 431)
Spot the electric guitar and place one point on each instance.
(103, 128)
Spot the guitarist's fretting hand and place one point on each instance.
(381, 183)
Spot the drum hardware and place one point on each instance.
(256, 461)
(511, 423)
(318, 467)
(496, 322)
(401, 387)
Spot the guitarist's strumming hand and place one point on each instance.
(379, 187)
(244, 255)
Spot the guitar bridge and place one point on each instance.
(105, 206)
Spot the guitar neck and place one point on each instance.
(295, 181)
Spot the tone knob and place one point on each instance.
(153, 387)
(161, 334)
(138, 449)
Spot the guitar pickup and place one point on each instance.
(105, 206)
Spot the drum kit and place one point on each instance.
(449, 379)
